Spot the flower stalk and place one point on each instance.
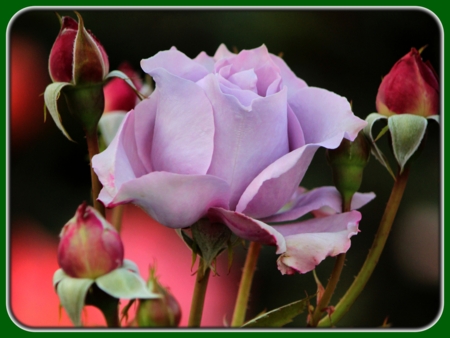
(374, 254)
(198, 297)
(245, 285)
(92, 143)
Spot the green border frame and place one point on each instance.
(8, 12)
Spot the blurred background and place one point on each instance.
(345, 51)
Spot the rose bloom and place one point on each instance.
(230, 138)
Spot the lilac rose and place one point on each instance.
(229, 138)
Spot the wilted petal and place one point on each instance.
(310, 242)
(174, 200)
(249, 228)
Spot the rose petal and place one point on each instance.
(176, 63)
(222, 53)
(290, 80)
(184, 126)
(316, 199)
(206, 61)
(310, 242)
(248, 228)
(115, 166)
(337, 121)
(275, 185)
(245, 142)
(174, 200)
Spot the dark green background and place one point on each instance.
(342, 50)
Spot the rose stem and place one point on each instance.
(116, 217)
(335, 274)
(240, 308)
(92, 143)
(374, 253)
(198, 298)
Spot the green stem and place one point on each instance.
(198, 298)
(240, 308)
(335, 274)
(328, 293)
(92, 143)
(374, 254)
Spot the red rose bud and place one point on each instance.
(89, 247)
(411, 87)
(162, 312)
(77, 57)
(119, 96)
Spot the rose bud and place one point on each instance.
(77, 57)
(163, 312)
(348, 162)
(90, 247)
(411, 87)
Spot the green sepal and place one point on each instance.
(125, 284)
(211, 239)
(407, 132)
(126, 78)
(371, 119)
(72, 294)
(280, 316)
(51, 96)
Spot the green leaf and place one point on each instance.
(123, 76)
(281, 316)
(376, 152)
(122, 283)
(51, 96)
(72, 294)
(407, 132)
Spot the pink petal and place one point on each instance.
(222, 53)
(248, 228)
(290, 80)
(174, 200)
(117, 165)
(275, 185)
(325, 118)
(245, 141)
(317, 199)
(176, 63)
(184, 126)
(206, 61)
(310, 242)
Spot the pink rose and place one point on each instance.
(230, 138)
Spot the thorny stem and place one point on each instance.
(198, 298)
(92, 143)
(374, 253)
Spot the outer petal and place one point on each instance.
(311, 241)
(249, 228)
(223, 52)
(316, 199)
(275, 185)
(245, 142)
(325, 117)
(174, 200)
(184, 126)
(176, 63)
